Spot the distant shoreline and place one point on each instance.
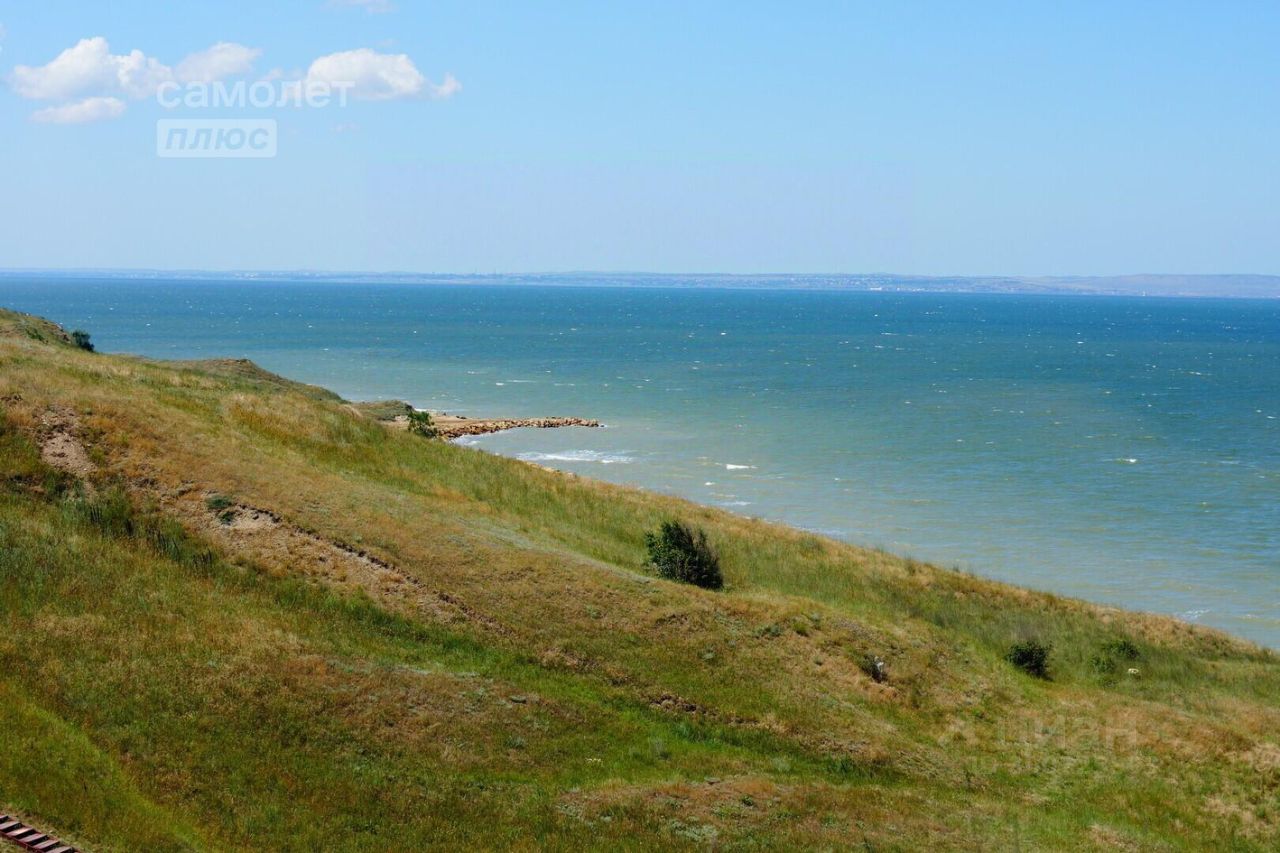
(1155, 285)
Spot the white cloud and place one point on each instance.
(87, 65)
(375, 76)
(89, 68)
(90, 83)
(139, 75)
(80, 112)
(447, 89)
(222, 60)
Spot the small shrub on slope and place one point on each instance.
(420, 423)
(1030, 656)
(81, 339)
(681, 553)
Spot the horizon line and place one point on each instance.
(625, 272)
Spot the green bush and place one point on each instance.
(420, 423)
(1030, 656)
(681, 553)
(81, 339)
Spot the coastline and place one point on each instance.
(429, 596)
(452, 427)
(392, 414)
(458, 426)
(930, 473)
(395, 415)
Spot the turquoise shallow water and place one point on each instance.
(1122, 450)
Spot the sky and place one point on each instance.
(479, 137)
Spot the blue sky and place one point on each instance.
(931, 138)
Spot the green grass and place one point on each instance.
(219, 689)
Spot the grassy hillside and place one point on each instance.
(236, 611)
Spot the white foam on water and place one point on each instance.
(579, 456)
(729, 466)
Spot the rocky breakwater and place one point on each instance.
(452, 426)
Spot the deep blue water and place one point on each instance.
(1123, 450)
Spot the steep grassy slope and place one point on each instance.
(251, 614)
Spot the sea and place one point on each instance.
(1124, 450)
